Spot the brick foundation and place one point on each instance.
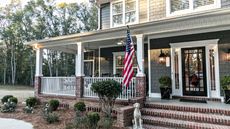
(37, 86)
(141, 86)
(125, 116)
(79, 86)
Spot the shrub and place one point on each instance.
(165, 81)
(14, 99)
(53, 104)
(52, 118)
(5, 98)
(8, 107)
(31, 101)
(106, 122)
(80, 106)
(93, 118)
(225, 83)
(28, 109)
(107, 92)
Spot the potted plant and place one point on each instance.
(165, 87)
(225, 84)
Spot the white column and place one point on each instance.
(140, 55)
(79, 62)
(39, 58)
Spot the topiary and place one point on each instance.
(165, 81)
(80, 106)
(31, 101)
(14, 99)
(93, 118)
(107, 92)
(5, 98)
(53, 104)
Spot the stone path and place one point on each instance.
(14, 124)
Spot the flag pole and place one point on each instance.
(135, 52)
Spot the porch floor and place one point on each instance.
(176, 102)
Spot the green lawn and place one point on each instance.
(15, 87)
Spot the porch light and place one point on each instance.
(162, 57)
(120, 42)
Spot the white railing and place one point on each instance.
(127, 93)
(58, 86)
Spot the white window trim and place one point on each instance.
(123, 13)
(217, 4)
(115, 60)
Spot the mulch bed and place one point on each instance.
(66, 116)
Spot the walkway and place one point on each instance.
(14, 124)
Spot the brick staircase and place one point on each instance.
(171, 116)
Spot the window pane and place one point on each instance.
(117, 20)
(130, 6)
(130, 17)
(117, 8)
(199, 3)
(177, 5)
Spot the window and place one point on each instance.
(185, 6)
(118, 63)
(123, 12)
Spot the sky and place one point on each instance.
(4, 2)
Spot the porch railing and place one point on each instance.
(65, 86)
(127, 93)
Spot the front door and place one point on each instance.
(194, 71)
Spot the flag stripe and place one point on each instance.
(128, 71)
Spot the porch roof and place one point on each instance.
(200, 22)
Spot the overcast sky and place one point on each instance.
(4, 2)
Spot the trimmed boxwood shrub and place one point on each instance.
(93, 118)
(5, 98)
(53, 103)
(14, 99)
(31, 101)
(80, 106)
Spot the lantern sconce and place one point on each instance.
(162, 57)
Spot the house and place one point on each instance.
(192, 37)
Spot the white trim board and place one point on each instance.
(208, 44)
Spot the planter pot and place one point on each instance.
(227, 96)
(165, 93)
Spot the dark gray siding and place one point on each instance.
(105, 16)
(225, 3)
(157, 69)
(224, 65)
(107, 59)
(143, 10)
(156, 44)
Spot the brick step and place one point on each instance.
(147, 126)
(197, 98)
(188, 108)
(174, 123)
(189, 116)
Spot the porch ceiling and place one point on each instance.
(201, 22)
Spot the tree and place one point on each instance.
(39, 19)
(107, 92)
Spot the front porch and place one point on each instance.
(66, 86)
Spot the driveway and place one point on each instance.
(20, 94)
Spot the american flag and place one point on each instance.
(128, 61)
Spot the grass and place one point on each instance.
(16, 87)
